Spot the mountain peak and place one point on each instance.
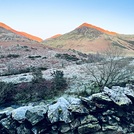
(55, 36)
(7, 27)
(97, 28)
(20, 33)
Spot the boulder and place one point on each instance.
(70, 132)
(76, 106)
(126, 90)
(74, 101)
(87, 101)
(104, 98)
(109, 127)
(88, 119)
(129, 92)
(88, 128)
(64, 127)
(131, 127)
(97, 102)
(39, 129)
(75, 123)
(2, 115)
(6, 111)
(78, 109)
(35, 114)
(22, 129)
(118, 95)
(19, 113)
(9, 125)
(108, 112)
(59, 111)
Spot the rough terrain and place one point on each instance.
(108, 112)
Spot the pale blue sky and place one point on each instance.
(45, 18)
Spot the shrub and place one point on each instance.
(33, 57)
(82, 54)
(37, 74)
(13, 71)
(36, 90)
(6, 92)
(28, 50)
(91, 58)
(2, 56)
(42, 68)
(67, 57)
(59, 82)
(13, 56)
(22, 92)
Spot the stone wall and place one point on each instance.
(108, 112)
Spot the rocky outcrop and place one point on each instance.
(108, 112)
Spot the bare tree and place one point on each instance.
(114, 68)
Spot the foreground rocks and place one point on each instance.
(108, 112)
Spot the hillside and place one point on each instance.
(9, 34)
(88, 38)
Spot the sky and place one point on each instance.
(45, 18)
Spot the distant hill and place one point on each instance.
(9, 34)
(55, 36)
(89, 38)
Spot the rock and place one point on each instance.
(110, 128)
(38, 129)
(2, 115)
(102, 119)
(59, 111)
(131, 127)
(129, 92)
(6, 111)
(78, 109)
(99, 113)
(35, 114)
(87, 102)
(126, 90)
(88, 119)
(64, 127)
(101, 97)
(118, 96)
(52, 132)
(119, 112)
(75, 123)
(113, 129)
(19, 113)
(70, 132)
(117, 119)
(9, 125)
(113, 120)
(108, 112)
(130, 86)
(74, 101)
(88, 128)
(98, 101)
(99, 132)
(22, 129)
(55, 127)
(76, 106)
